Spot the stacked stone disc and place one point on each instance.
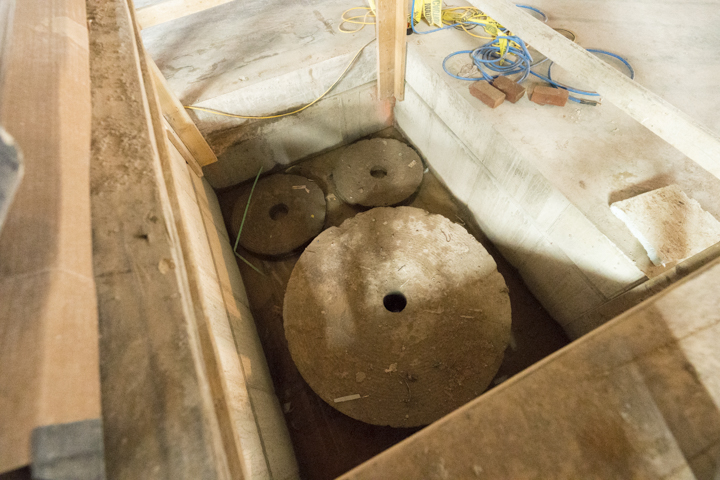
(377, 173)
(285, 213)
(397, 317)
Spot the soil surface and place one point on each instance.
(328, 443)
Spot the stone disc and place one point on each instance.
(286, 212)
(399, 314)
(377, 172)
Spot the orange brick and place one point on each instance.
(543, 95)
(513, 91)
(486, 93)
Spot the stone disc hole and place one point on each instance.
(278, 211)
(395, 302)
(378, 172)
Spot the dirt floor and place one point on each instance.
(328, 443)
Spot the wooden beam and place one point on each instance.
(49, 371)
(182, 149)
(180, 121)
(222, 363)
(660, 117)
(172, 9)
(401, 15)
(391, 42)
(159, 415)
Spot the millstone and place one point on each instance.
(286, 212)
(377, 172)
(397, 317)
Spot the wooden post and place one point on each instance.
(391, 32)
(401, 13)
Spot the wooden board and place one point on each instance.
(391, 31)
(158, 411)
(48, 316)
(180, 121)
(182, 149)
(665, 120)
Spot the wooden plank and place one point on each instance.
(665, 120)
(386, 46)
(158, 411)
(391, 47)
(48, 314)
(401, 15)
(241, 441)
(180, 121)
(171, 9)
(182, 149)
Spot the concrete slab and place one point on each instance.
(568, 284)
(239, 44)
(595, 155)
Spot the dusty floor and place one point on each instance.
(328, 443)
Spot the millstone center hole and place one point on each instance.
(278, 211)
(395, 302)
(378, 172)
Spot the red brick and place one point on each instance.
(513, 91)
(486, 93)
(543, 95)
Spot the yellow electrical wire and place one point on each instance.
(450, 16)
(215, 112)
(344, 19)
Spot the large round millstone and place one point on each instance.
(401, 308)
(377, 172)
(286, 212)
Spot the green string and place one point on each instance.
(242, 223)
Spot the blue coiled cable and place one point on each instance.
(487, 57)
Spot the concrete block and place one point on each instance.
(543, 95)
(238, 49)
(670, 225)
(474, 129)
(557, 283)
(603, 264)
(513, 91)
(503, 221)
(332, 122)
(451, 160)
(486, 93)
(275, 436)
